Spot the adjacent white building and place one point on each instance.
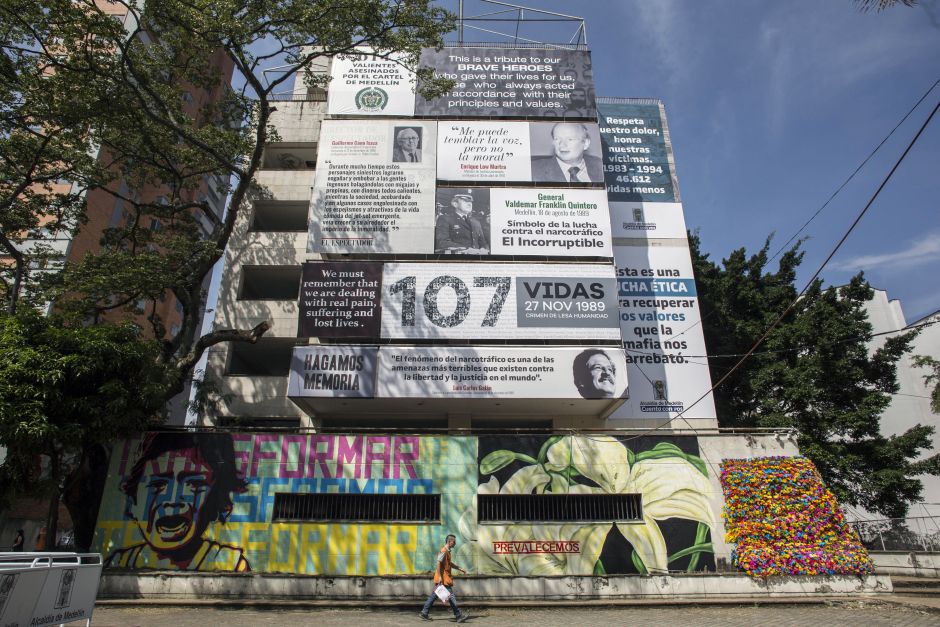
(911, 404)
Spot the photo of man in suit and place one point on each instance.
(407, 145)
(568, 163)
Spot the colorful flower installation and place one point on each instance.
(785, 522)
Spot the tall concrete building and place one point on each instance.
(483, 323)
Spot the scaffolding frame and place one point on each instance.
(496, 12)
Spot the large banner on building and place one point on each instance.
(458, 372)
(500, 82)
(562, 222)
(458, 301)
(540, 152)
(374, 186)
(555, 222)
(637, 153)
(483, 372)
(340, 299)
(368, 85)
(499, 301)
(488, 82)
(662, 334)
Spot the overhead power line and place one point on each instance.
(811, 280)
(857, 170)
(831, 197)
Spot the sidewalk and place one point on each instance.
(885, 611)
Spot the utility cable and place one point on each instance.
(852, 175)
(812, 279)
(830, 199)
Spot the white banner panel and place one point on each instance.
(332, 372)
(566, 222)
(483, 372)
(662, 334)
(499, 301)
(647, 220)
(374, 187)
(518, 82)
(483, 151)
(366, 85)
(544, 152)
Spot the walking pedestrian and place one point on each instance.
(443, 576)
(19, 540)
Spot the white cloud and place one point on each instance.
(921, 251)
(663, 22)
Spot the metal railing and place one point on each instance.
(919, 533)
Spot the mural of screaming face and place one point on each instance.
(180, 483)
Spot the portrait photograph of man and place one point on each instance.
(595, 374)
(407, 144)
(463, 227)
(179, 484)
(575, 153)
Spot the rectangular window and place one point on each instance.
(268, 357)
(270, 283)
(333, 507)
(558, 507)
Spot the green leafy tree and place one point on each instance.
(64, 391)
(932, 376)
(133, 83)
(94, 105)
(880, 5)
(813, 373)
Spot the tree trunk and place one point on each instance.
(83, 493)
(52, 520)
(17, 286)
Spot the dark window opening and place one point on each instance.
(345, 507)
(269, 357)
(558, 507)
(270, 283)
(280, 215)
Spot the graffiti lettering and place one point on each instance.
(536, 546)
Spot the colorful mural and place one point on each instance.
(674, 533)
(204, 501)
(785, 521)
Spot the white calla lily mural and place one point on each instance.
(672, 484)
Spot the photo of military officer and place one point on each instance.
(464, 228)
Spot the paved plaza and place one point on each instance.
(855, 613)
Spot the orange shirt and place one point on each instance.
(443, 564)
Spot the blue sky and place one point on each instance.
(771, 106)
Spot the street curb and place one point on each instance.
(484, 603)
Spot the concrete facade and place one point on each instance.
(911, 404)
(729, 587)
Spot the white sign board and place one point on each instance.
(662, 334)
(374, 187)
(483, 372)
(332, 372)
(551, 222)
(647, 220)
(543, 152)
(366, 85)
(499, 301)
